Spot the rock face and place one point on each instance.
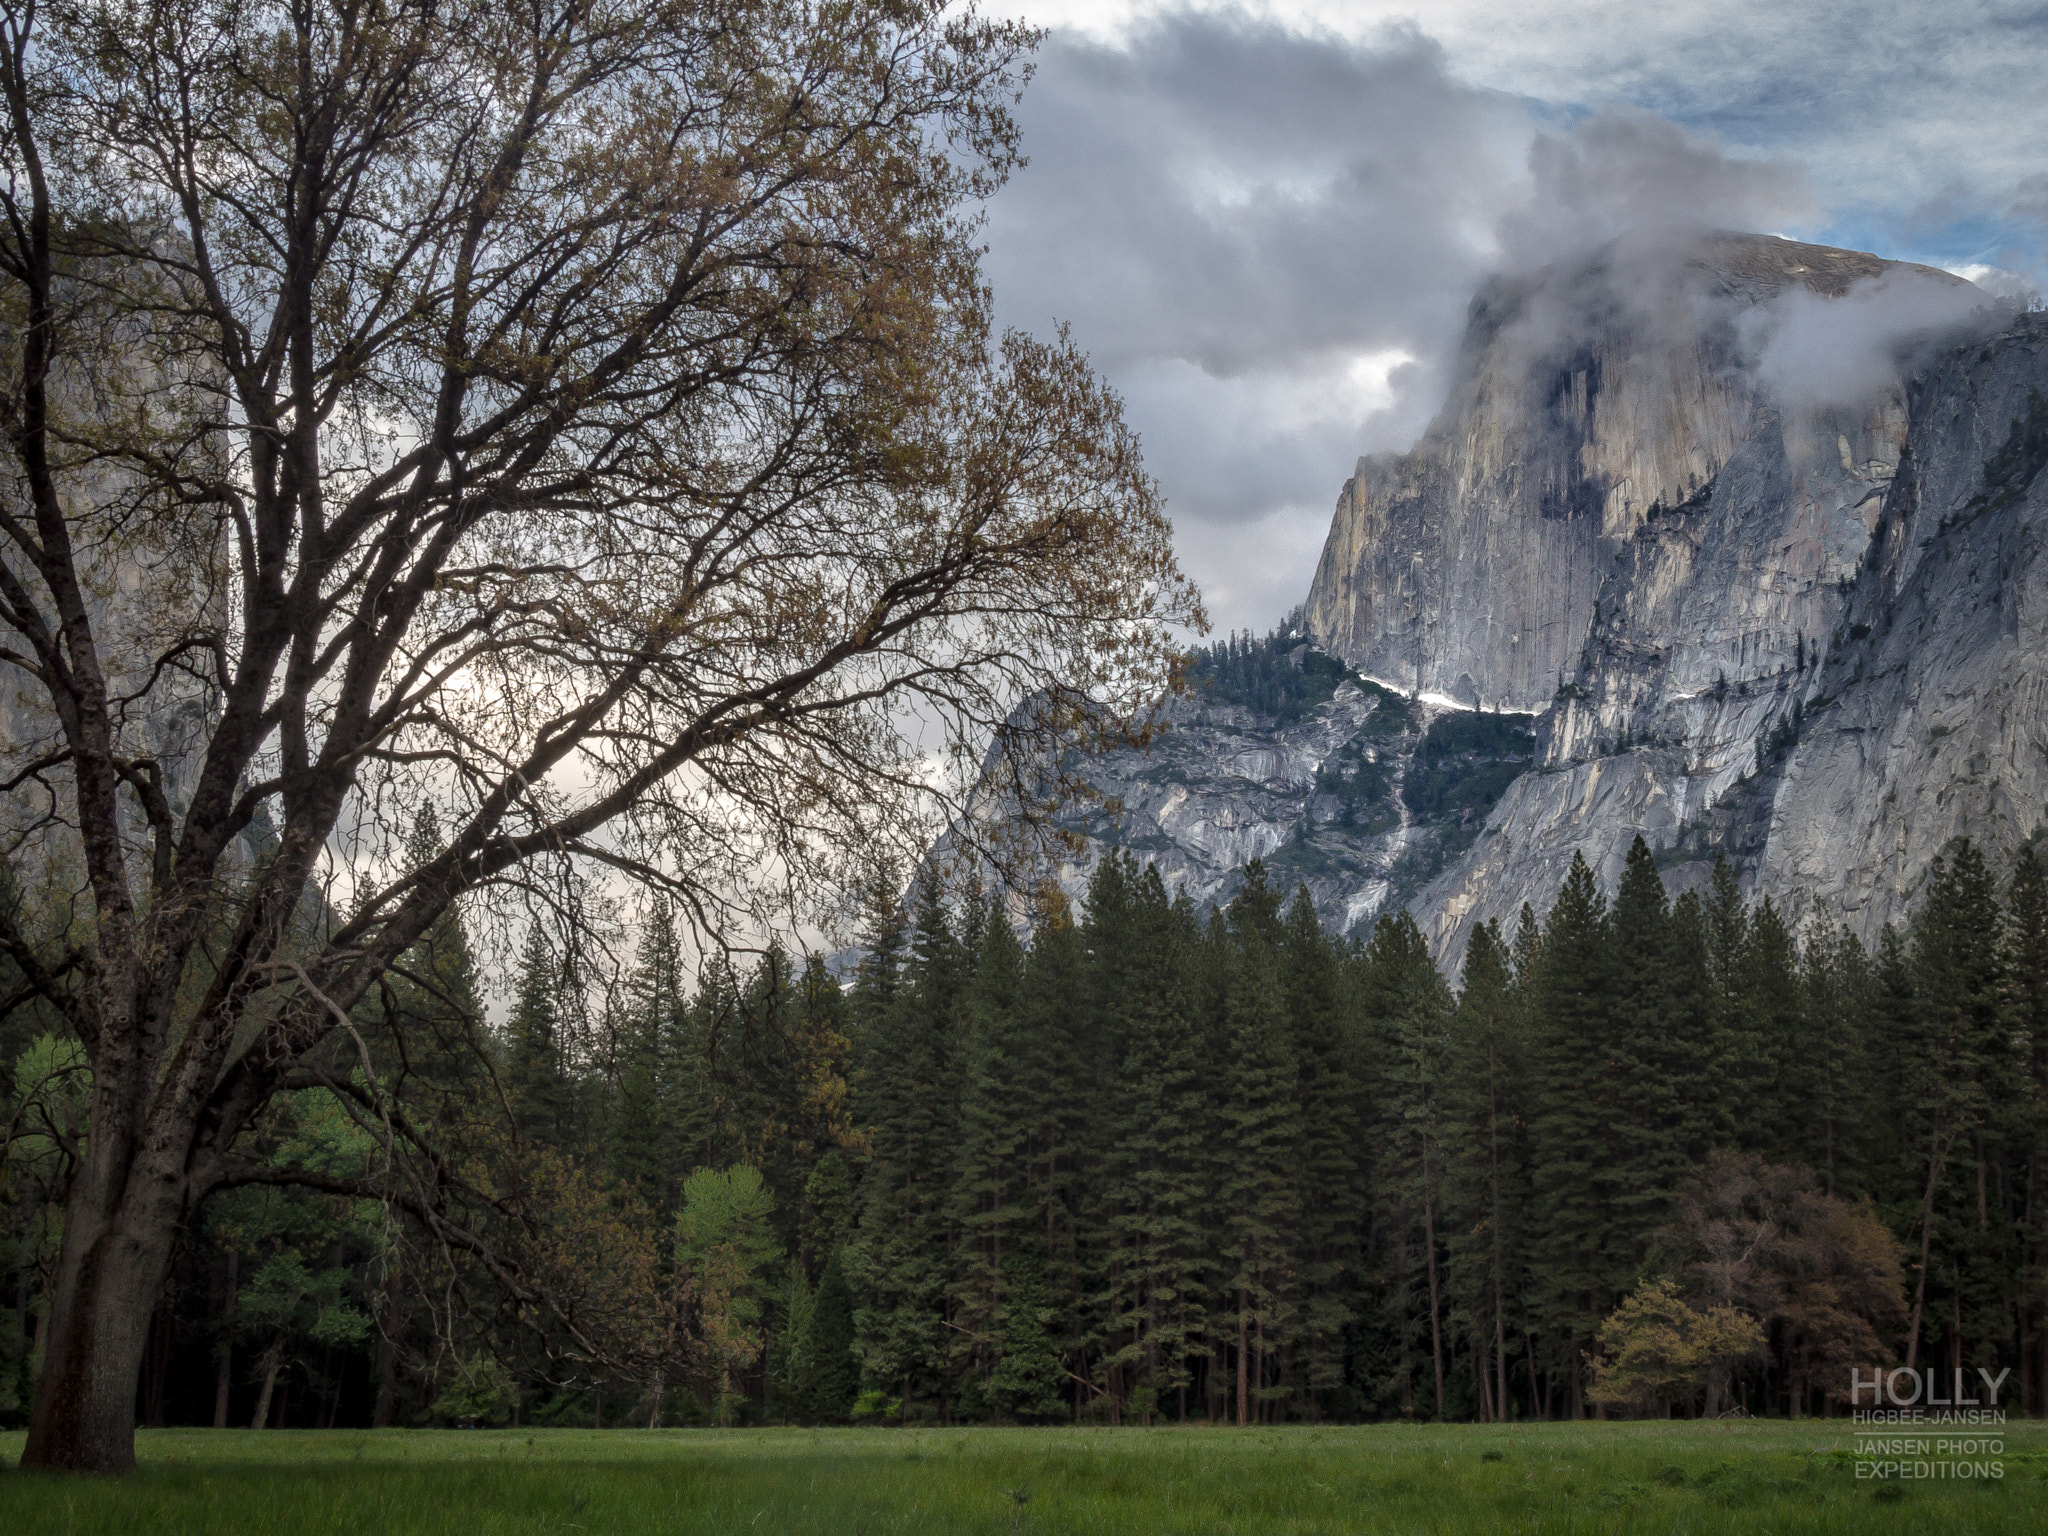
(1736, 544)
(1583, 399)
(1279, 753)
(1793, 619)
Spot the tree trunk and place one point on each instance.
(272, 1358)
(1436, 1327)
(1241, 1383)
(384, 1413)
(1536, 1395)
(1938, 1154)
(157, 1366)
(225, 1349)
(1259, 1353)
(118, 1232)
(1500, 1351)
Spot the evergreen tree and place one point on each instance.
(1157, 1162)
(1572, 1130)
(1829, 1073)
(988, 1201)
(829, 1379)
(433, 1047)
(1108, 1324)
(1027, 1382)
(1727, 938)
(536, 1077)
(1959, 1034)
(2027, 977)
(642, 1140)
(901, 1256)
(1486, 1167)
(1694, 1045)
(1769, 1037)
(1259, 1198)
(1649, 1068)
(1406, 1010)
(828, 1211)
(1053, 1009)
(1331, 1194)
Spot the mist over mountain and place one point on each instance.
(1740, 533)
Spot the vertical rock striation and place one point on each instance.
(1639, 517)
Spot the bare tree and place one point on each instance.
(581, 415)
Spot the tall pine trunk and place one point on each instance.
(1937, 1156)
(1436, 1325)
(224, 1376)
(1500, 1350)
(1242, 1303)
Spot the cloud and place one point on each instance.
(1818, 352)
(1267, 240)
(1627, 170)
(2011, 287)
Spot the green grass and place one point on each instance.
(1754, 1477)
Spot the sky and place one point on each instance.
(1264, 223)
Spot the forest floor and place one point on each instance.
(1699, 1479)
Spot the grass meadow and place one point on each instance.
(1404, 1480)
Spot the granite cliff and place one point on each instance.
(1280, 753)
(1742, 537)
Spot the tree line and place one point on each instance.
(1153, 1164)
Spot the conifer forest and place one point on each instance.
(1148, 1165)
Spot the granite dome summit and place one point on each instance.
(1751, 528)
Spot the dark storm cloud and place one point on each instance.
(1268, 239)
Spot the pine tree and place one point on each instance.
(1331, 1196)
(641, 1141)
(1727, 938)
(829, 1378)
(1156, 1161)
(431, 1017)
(1694, 1046)
(1959, 1031)
(2027, 978)
(1572, 1129)
(828, 1212)
(536, 1079)
(1647, 1066)
(1108, 1323)
(987, 1200)
(1770, 1037)
(1027, 1382)
(1486, 1166)
(1259, 1198)
(1054, 1007)
(1829, 1073)
(1406, 1020)
(901, 1258)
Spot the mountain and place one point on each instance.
(1731, 541)
(1279, 752)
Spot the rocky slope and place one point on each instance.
(1282, 754)
(1745, 539)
